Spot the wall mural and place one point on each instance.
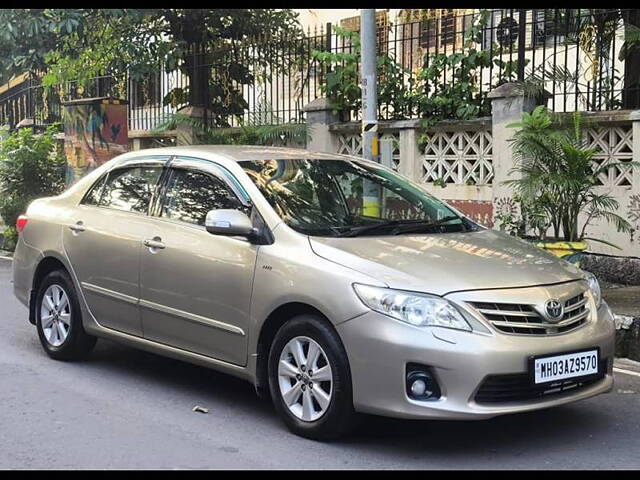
(477, 210)
(505, 209)
(95, 131)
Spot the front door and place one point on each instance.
(195, 286)
(103, 240)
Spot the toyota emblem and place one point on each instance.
(554, 310)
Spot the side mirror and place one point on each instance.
(230, 223)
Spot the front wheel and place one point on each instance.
(59, 320)
(309, 379)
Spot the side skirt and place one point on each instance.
(168, 351)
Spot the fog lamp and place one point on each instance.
(421, 385)
(418, 387)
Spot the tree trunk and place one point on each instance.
(631, 85)
(198, 73)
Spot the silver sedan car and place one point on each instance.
(333, 284)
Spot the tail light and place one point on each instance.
(21, 223)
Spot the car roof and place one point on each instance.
(238, 153)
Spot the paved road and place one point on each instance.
(124, 408)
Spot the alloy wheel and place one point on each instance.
(55, 315)
(305, 378)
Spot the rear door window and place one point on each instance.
(130, 189)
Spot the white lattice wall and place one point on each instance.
(614, 144)
(351, 144)
(458, 157)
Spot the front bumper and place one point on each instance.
(380, 347)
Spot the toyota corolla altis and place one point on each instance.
(332, 283)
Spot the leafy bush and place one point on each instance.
(10, 238)
(342, 87)
(448, 85)
(445, 88)
(31, 166)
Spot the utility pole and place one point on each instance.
(371, 206)
(369, 83)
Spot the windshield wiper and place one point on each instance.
(401, 226)
(418, 227)
(357, 230)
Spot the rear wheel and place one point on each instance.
(309, 379)
(59, 320)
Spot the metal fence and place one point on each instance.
(31, 101)
(279, 82)
(576, 54)
(27, 101)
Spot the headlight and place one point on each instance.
(415, 308)
(594, 286)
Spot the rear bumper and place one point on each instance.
(25, 262)
(379, 349)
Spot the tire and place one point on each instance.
(308, 417)
(75, 344)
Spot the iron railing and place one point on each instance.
(576, 54)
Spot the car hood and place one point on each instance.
(444, 263)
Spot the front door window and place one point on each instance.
(191, 194)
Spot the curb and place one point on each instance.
(626, 372)
(627, 365)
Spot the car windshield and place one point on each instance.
(349, 198)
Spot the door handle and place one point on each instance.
(154, 244)
(77, 227)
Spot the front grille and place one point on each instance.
(518, 387)
(523, 319)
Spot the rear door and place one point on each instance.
(104, 240)
(195, 286)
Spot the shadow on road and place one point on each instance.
(540, 430)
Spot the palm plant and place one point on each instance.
(555, 173)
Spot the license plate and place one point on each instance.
(551, 368)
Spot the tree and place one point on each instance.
(219, 50)
(630, 53)
(225, 34)
(27, 35)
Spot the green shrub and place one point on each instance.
(446, 87)
(10, 238)
(31, 166)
